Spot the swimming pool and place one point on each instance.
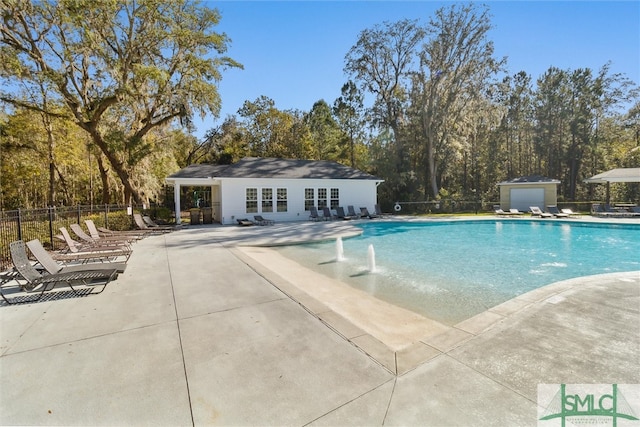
(452, 270)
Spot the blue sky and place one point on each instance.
(293, 51)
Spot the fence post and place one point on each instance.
(130, 214)
(79, 213)
(51, 208)
(19, 224)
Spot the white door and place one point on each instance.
(523, 198)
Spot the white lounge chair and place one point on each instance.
(553, 210)
(536, 211)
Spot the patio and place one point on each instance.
(200, 331)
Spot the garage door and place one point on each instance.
(522, 198)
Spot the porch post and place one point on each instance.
(176, 201)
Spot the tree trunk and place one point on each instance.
(106, 194)
(117, 166)
(352, 147)
(433, 173)
(427, 127)
(63, 185)
(51, 193)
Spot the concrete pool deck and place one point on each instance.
(204, 328)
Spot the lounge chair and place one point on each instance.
(80, 256)
(619, 211)
(138, 234)
(260, 220)
(111, 235)
(313, 214)
(244, 222)
(35, 280)
(137, 218)
(607, 211)
(13, 276)
(536, 211)
(510, 212)
(553, 210)
(570, 212)
(78, 231)
(153, 225)
(340, 213)
(364, 213)
(352, 212)
(53, 267)
(327, 215)
(103, 252)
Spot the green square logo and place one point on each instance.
(561, 405)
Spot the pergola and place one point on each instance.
(615, 175)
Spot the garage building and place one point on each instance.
(521, 193)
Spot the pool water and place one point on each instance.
(450, 271)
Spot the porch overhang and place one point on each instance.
(177, 183)
(192, 182)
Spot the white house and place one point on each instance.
(277, 189)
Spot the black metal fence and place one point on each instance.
(438, 207)
(454, 206)
(44, 224)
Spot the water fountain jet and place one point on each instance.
(339, 250)
(371, 259)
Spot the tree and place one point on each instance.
(551, 115)
(326, 135)
(456, 65)
(119, 68)
(348, 110)
(570, 105)
(381, 62)
(25, 160)
(274, 133)
(516, 127)
(224, 144)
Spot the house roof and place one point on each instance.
(616, 175)
(263, 167)
(200, 171)
(532, 179)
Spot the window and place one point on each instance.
(252, 200)
(282, 199)
(267, 200)
(322, 198)
(335, 198)
(309, 198)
